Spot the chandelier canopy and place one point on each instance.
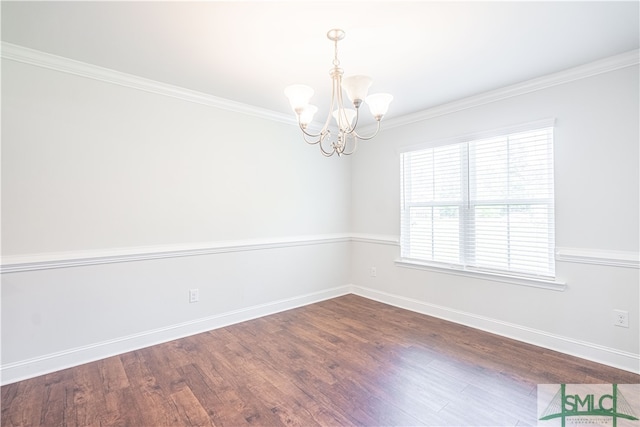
(346, 119)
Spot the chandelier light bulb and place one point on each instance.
(379, 104)
(299, 96)
(357, 88)
(344, 118)
(306, 116)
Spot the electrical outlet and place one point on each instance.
(194, 295)
(373, 272)
(621, 318)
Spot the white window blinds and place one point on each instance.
(485, 204)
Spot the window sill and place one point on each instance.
(551, 284)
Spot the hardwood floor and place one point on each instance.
(341, 362)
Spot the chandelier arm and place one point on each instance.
(366, 138)
(323, 151)
(312, 135)
(321, 138)
(328, 119)
(342, 115)
(311, 142)
(355, 147)
(352, 128)
(335, 89)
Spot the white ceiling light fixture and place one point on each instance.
(346, 119)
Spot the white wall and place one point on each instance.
(90, 165)
(94, 173)
(116, 201)
(597, 215)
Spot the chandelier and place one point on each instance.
(346, 119)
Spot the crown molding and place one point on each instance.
(41, 59)
(58, 63)
(605, 65)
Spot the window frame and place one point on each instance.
(541, 281)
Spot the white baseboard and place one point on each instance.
(13, 372)
(17, 371)
(585, 350)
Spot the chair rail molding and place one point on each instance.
(46, 261)
(610, 258)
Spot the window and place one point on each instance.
(483, 205)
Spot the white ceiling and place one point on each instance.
(425, 53)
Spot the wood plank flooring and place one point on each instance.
(342, 362)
